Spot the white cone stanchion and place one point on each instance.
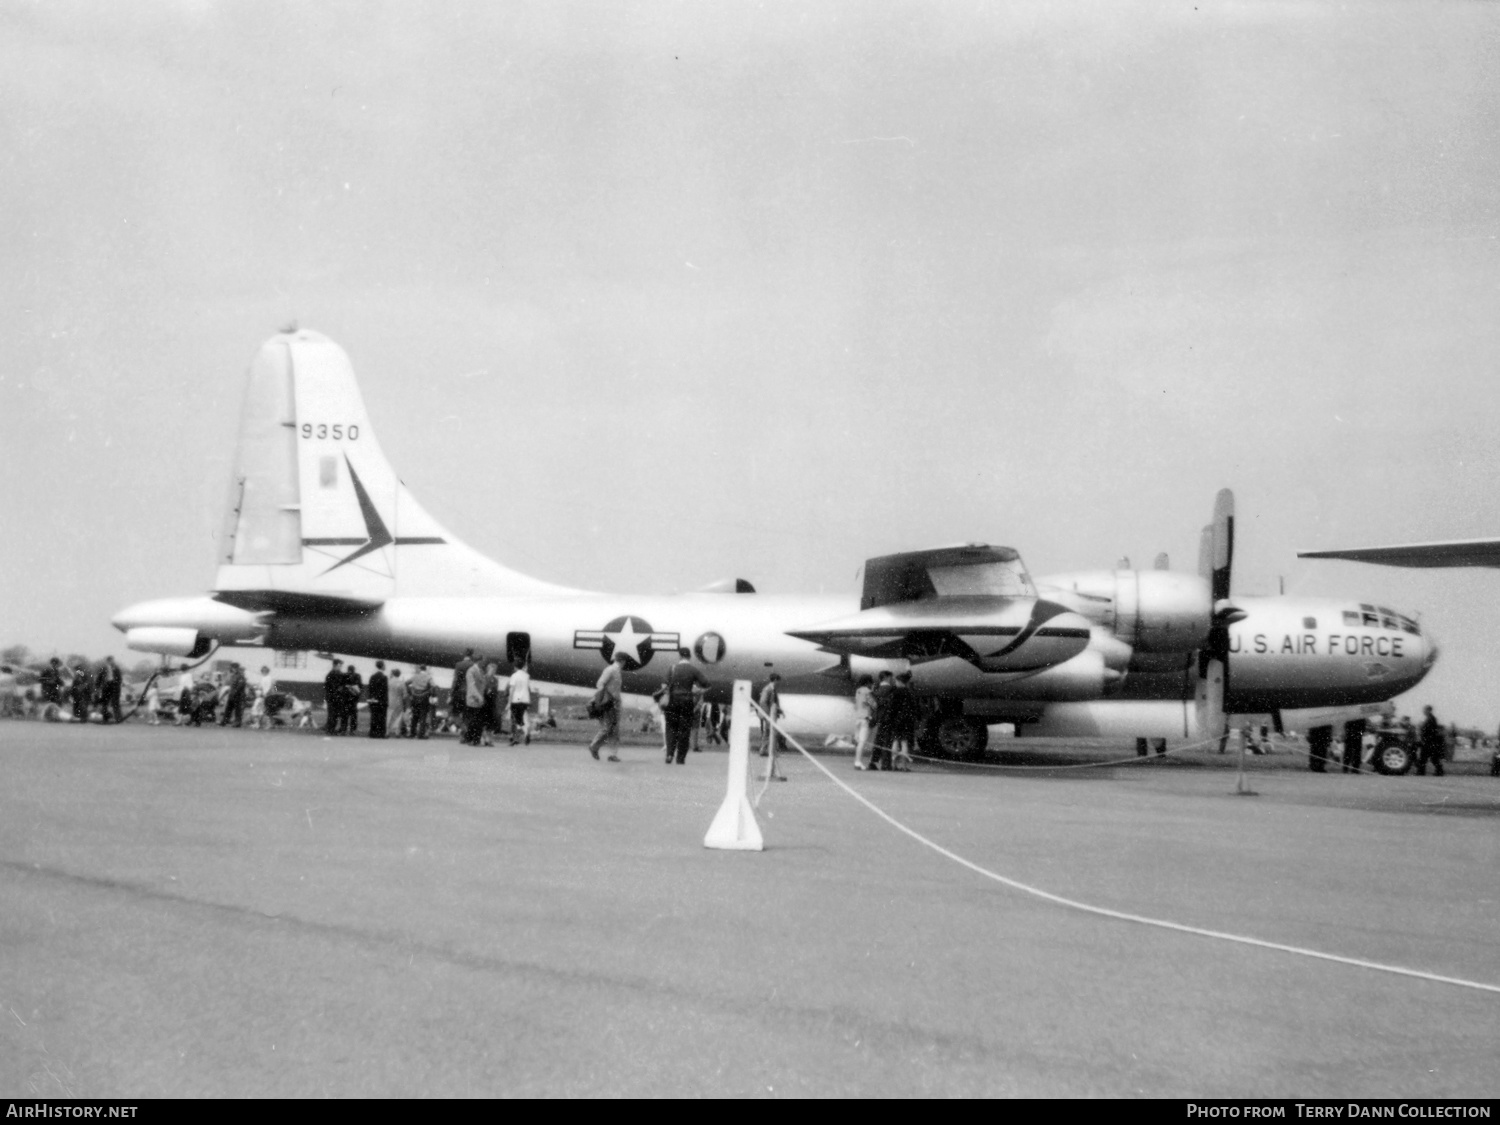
(734, 826)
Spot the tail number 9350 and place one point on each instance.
(337, 431)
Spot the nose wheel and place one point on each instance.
(1392, 757)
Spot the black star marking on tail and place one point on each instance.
(377, 535)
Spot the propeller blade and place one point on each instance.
(1223, 544)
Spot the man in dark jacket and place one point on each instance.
(685, 684)
(457, 708)
(380, 697)
(234, 702)
(885, 722)
(1432, 744)
(109, 691)
(83, 693)
(50, 679)
(333, 697)
(354, 687)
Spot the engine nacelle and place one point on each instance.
(167, 641)
(1085, 676)
(1150, 610)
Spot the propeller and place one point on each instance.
(1215, 563)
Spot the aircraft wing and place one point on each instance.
(1454, 552)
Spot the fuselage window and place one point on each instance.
(1309, 622)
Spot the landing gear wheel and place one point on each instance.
(961, 738)
(1392, 758)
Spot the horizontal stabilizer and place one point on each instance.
(292, 601)
(728, 586)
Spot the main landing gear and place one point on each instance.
(954, 735)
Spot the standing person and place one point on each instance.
(205, 698)
(473, 697)
(608, 694)
(883, 697)
(152, 703)
(109, 691)
(419, 691)
(494, 705)
(83, 693)
(456, 696)
(51, 681)
(864, 722)
(186, 689)
(685, 685)
(354, 688)
(234, 699)
(520, 703)
(380, 698)
(393, 725)
(659, 697)
(264, 712)
(713, 725)
(770, 706)
(903, 722)
(333, 697)
(1431, 744)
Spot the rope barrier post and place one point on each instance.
(734, 827)
(1242, 784)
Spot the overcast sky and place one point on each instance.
(645, 296)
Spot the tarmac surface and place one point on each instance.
(189, 913)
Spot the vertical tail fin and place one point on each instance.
(315, 508)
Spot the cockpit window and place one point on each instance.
(993, 579)
(1381, 617)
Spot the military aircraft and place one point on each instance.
(324, 548)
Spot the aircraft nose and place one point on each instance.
(1428, 657)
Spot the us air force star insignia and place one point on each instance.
(629, 634)
(625, 639)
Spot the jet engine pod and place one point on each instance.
(167, 641)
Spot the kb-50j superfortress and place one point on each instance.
(324, 548)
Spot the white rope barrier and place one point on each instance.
(1134, 759)
(1123, 916)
